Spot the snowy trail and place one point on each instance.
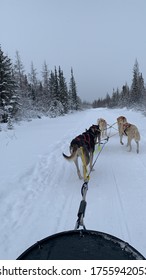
(44, 195)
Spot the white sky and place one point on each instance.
(100, 39)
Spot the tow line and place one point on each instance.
(83, 203)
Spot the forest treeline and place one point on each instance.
(129, 97)
(26, 96)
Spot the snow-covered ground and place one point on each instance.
(40, 192)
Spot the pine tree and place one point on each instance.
(107, 100)
(44, 94)
(23, 88)
(141, 90)
(8, 96)
(114, 99)
(134, 93)
(144, 100)
(73, 100)
(19, 72)
(55, 106)
(56, 86)
(45, 81)
(63, 92)
(33, 82)
(124, 97)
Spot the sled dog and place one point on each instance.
(131, 131)
(103, 127)
(120, 121)
(83, 146)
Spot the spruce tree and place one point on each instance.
(44, 91)
(107, 100)
(63, 92)
(23, 87)
(135, 94)
(56, 86)
(73, 100)
(33, 82)
(55, 106)
(8, 96)
(19, 72)
(45, 81)
(142, 91)
(124, 97)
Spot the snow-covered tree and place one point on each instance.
(45, 81)
(73, 99)
(19, 72)
(63, 92)
(135, 93)
(8, 96)
(44, 94)
(24, 90)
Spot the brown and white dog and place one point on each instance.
(131, 131)
(103, 127)
(120, 121)
(83, 146)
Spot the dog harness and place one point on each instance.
(125, 126)
(87, 138)
(83, 140)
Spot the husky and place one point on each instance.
(103, 127)
(83, 146)
(120, 121)
(131, 131)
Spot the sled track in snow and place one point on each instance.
(121, 205)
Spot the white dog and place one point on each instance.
(103, 127)
(131, 131)
(120, 121)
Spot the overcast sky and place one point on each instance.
(100, 39)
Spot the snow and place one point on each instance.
(40, 192)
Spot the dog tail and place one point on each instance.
(72, 156)
(137, 135)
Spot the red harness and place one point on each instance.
(125, 126)
(86, 138)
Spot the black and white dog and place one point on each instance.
(86, 141)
